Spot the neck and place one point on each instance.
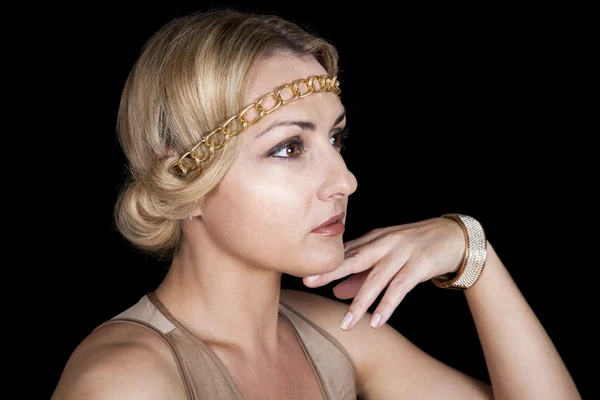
(222, 299)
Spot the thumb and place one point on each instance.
(356, 260)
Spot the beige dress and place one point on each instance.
(205, 376)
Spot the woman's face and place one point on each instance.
(288, 178)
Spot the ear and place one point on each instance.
(198, 210)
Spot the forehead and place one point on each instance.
(278, 70)
(272, 72)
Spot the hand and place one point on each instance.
(397, 257)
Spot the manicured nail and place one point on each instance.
(313, 278)
(375, 320)
(346, 321)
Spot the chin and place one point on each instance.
(317, 268)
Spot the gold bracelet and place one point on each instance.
(474, 258)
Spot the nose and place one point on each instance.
(339, 182)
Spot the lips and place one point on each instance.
(331, 220)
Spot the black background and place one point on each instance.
(473, 110)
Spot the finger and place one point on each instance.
(357, 260)
(376, 233)
(379, 277)
(366, 238)
(349, 287)
(401, 284)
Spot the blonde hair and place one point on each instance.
(188, 79)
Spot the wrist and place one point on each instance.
(461, 246)
(474, 255)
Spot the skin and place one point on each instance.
(257, 223)
(225, 284)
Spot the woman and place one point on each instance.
(232, 125)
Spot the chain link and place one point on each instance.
(203, 151)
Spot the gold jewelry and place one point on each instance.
(474, 258)
(202, 151)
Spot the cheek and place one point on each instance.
(260, 211)
(266, 215)
(267, 218)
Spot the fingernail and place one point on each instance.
(313, 278)
(375, 320)
(346, 321)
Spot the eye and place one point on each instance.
(291, 149)
(339, 138)
(294, 147)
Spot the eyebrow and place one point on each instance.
(304, 125)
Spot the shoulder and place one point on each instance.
(384, 355)
(361, 342)
(120, 360)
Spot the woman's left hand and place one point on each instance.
(397, 257)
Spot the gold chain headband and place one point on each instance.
(202, 151)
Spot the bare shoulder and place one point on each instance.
(387, 363)
(120, 360)
(327, 314)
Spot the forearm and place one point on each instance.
(521, 358)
